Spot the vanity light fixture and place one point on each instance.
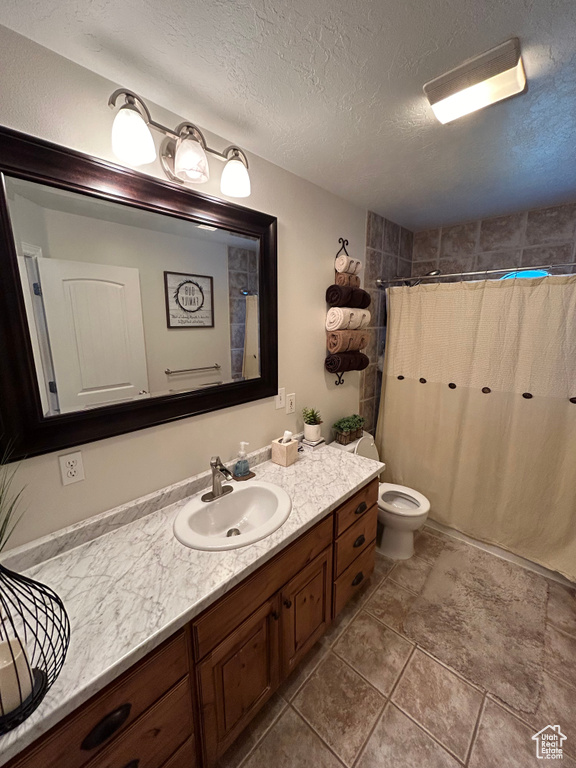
(479, 82)
(183, 153)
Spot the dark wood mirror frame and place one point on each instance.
(22, 424)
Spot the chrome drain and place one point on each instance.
(233, 532)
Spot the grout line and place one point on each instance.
(501, 553)
(365, 744)
(312, 671)
(356, 672)
(401, 675)
(516, 716)
(450, 669)
(397, 583)
(435, 738)
(315, 732)
(265, 733)
(561, 679)
(475, 731)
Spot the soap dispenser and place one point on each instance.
(241, 468)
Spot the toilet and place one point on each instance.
(401, 510)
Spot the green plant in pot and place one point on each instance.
(348, 428)
(312, 424)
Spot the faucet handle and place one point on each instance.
(215, 461)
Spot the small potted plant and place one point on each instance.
(348, 428)
(312, 422)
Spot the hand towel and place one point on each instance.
(339, 295)
(343, 278)
(346, 361)
(345, 263)
(347, 341)
(347, 319)
(345, 296)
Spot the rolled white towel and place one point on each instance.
(347, 264)
(347, 319)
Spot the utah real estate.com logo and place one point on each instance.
(549, 743)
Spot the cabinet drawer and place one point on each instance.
(110, 712)
(355, 507)
(185, 757)
(355, 540)
(155, 736)
(353, 578)
(230, 611)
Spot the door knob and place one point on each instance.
(288, 603)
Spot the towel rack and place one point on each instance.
(214, 367)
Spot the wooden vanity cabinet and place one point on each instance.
(245, 647)
(238, 677)
(142, 719)
(306, 605)
(185, 703)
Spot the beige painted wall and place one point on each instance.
(48, 96)
(93, 240)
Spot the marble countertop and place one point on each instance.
(134, 585)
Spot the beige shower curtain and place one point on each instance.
(476, 410)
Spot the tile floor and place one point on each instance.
(368, 697)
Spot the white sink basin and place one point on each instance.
(255, 509)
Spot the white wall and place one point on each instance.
(50, 97)
(95, 240)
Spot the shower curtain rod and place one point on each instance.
(383, 283)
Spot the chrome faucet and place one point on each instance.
(219, 471)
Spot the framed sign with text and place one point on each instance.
(189, 300)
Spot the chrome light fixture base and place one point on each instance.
(181, 132)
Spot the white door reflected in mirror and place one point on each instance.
(107, 323)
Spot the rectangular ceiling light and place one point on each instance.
(486, 79)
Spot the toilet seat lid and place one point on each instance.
(367, 448)
(401, 500)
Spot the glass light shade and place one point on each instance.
(496, 88)
(190, 161)
(132, 141)
(235, 181)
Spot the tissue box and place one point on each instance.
(284, 453)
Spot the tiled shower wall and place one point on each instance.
(242, 276)
(532, 238)
(388, 254)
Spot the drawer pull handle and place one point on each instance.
(361, 508)
(359, 541)
(106, 727)
(132, 764)
(357, 579)
(288, 603)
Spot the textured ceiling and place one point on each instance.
(332, 90)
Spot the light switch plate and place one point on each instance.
(71, 468)
(290, 403)
(280, 399)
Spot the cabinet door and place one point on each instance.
(237, 678)
(306, 609)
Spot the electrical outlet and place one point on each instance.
(280, 399)
(290, 403)
(71, 468)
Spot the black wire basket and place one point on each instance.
(34, 639)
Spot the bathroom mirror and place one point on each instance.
(126, 301)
